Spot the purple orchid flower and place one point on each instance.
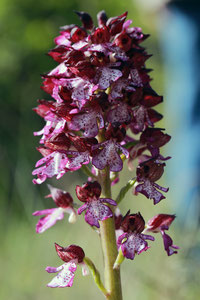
(64, 203)
(54, 165)
(132, 241)
(95, 207)
(54, 125)
(160, 223)
(81, 90)
(148, 172)
(72, 256)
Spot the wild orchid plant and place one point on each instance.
(102, 115)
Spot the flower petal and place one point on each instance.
(91, 219)
(74, 163)
(97, 211)
(135, 243)
(156, 223)
(88, 122)
(82, 208)
(119, 86)
(109, 156)
(119, 114)
(49, 220)
(107, 76)
(147, 188)
(64, 278)
(168, 244)
(44, 212)
(55, 164)
(108, 200)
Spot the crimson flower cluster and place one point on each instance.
(102, 112)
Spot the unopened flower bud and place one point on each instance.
(102, 18)
(115, 24)
(85, 19)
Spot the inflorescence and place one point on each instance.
(102, 113)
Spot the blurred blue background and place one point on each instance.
(27, 29)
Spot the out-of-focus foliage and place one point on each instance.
(27, 29)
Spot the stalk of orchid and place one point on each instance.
(100, 117)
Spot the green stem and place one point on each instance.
(109, 246)
(87, 171)
(125, 190)
(96, 275)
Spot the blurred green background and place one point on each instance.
(27, 29)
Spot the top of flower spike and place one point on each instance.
(101, 86)
(85, 19)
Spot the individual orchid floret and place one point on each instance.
(79, 88)
(123, 41)
(95, 207)
(87, 120)
(54, 125)
(148, 172)
(64, 203)
(54, 164)
(109, 156)
(72, 256)
(160, 223)
(132, 241)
